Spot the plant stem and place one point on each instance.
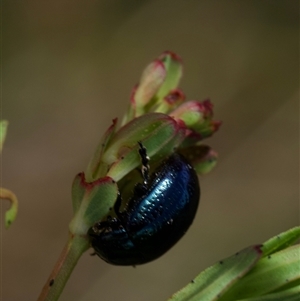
(63, 268)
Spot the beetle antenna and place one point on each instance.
(145, 162)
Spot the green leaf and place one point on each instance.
(101, 198)
(96, 168)
(271, 273)
(158, 132)
(78, 191)
(92, 201)
(281, 241)
(11, 213)
(292, 294)
(3, 131)
(211, 284)
(276, 276)
(6, 194)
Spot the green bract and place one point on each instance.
(91, 202)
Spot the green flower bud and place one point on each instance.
(152, 78)
(173, 65)
(171, 101)
(159, 79)
(202, 157)
(197, 117)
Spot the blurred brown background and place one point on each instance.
(68, 69)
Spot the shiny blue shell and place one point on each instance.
(154, 218)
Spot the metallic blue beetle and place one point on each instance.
(157, 215)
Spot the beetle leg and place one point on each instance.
(100, 226)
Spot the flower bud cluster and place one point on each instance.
(162, 120)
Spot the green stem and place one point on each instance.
(63, 268)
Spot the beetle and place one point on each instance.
(158, 214)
